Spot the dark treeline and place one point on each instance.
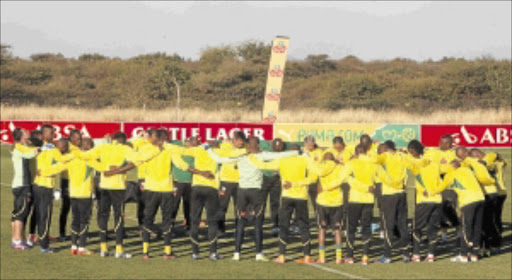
(235, 76)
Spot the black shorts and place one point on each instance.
(21, 203)
(330, 216)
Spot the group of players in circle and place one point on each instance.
(458, 188)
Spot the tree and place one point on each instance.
(320, 63)
(171, 75)
(5, 54)
(253, 51)
(91, 57)
(46, 57)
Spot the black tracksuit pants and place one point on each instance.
(43, 199)
(81, 214)
(426, 218)
(182, 191)
(359, 212)
(111, 199)
(491, 233)
(153, 201)
(207, 197)
(271, 188)
(227, 191)
(300, 207)
(393, 212)
(249, 210)
(471, 218)
(65, 206)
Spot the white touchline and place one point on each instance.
(335, 271)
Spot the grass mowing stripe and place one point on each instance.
(352, 276)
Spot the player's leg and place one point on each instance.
(166, 207)
(44, 199)
(196, 206)
(117, 197)
(225, 193)
(64, 210)
(401, 225)
(75, 225)
(178, 194)
(366, 230)
(187, 188)
(20, 213)
(477, 230)
(212, 215)
(285, 215)
(323, 224)
(274, 199)
(242, 221)
(467, 216)
(151, 204)
(85, 208)
(353, 215)
(259, 218)
(313, 193)
(302, 218)
(103, 216)
(433, 229)
(419, 224)
(140, 202)
(388, 208)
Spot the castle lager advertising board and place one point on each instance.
(206, 131)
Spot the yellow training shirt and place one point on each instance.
(443, 158)
(229, 171)
(482, 175)
(203, 162)
(342, 156)
(137, 144)
(396, 165)
(465, 184)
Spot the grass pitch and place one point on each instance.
(32, 264)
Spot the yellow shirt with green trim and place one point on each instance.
(341, 156)
(396, 165)
(428, 179)
(443, 158)
(464, 182)
(137, 144)
(203, 162)
(495, 167)
(482, 174)
(44, 163)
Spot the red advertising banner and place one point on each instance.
(469, 135)
(206, 131)
(62, 129)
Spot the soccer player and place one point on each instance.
(158, 189)
(329, 202)
(229, 175)
(271, 188)
(494, 198)
(471, 203)
(35, 140)
(80, 174)
(393, 201)
(369, 144)
(21, 186)
(249, 197)
(44, 185)
(112, 188)
(312, 150)
(443, 156)
(428, 206)
(182, 186)
(74, 143)
(361, 199)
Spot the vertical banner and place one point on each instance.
(275, 79)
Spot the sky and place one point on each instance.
(373, 30)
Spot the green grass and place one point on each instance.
(32, 264)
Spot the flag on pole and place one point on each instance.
(275, 79)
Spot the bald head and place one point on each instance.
(461, 152)
(476, 153)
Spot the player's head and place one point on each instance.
(151, 134)
(47, 131)
(194, 141)
(119, 137)
(161, 137)
(309, 143)
(360, 149)
(20, 135)
(86, 144)
(476, 153)
(239, 139)
(75, 137)
(461, 152)
(278, 145)
(366, 141)
(446, 142)
(415, 148)
(338, 143)
(455, 164)
(328, 156)
(382, 148)
(253, 144)
(63, 145)
(294, 147)
(36, 138)
(390, 145)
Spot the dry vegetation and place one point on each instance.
(239, 115)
